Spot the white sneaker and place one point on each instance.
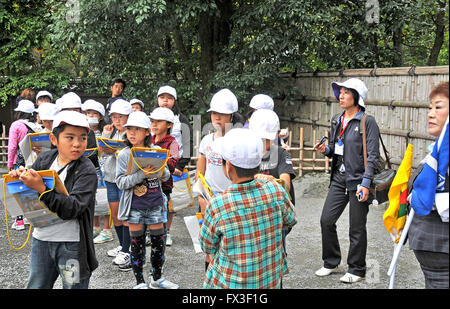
(113, 252)
(121, 258)
(169, 240)
(141, 286)
(350, 278)
(162, 283)
(327, 271)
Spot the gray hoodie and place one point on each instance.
(127, 182)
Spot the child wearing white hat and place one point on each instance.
(223, 107)
(95, 113)
(69, 135)
(70, 102)
(181, 129)
(259, 101)
(142, 205)
(162, 120)
(43, 96)
(47, 112)
(276, 162)
(119, 111)
(245, 222)
(137, 105)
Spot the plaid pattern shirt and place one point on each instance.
(242, 230)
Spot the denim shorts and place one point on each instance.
(149, 216)
(113, 193)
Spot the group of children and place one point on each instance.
(139, 203)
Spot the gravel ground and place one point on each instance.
(186, 268)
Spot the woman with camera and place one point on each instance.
(350, 180)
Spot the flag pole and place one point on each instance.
(398, 248)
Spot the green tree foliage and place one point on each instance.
(200, 46)
(26, 60)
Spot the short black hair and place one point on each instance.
(244, 172)
(118, 80)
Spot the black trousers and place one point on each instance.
(337, 199)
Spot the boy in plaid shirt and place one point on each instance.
(242, 228)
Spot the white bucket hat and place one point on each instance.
(44, 93)
(72, 118)
(352, 83)
(47, 111)
(265, 123)
(167, 89)
(138, 119)
(93, 105)
(120, 106)
(240, 147)
(69, 100)
(163, 113)
(224, 102)
(25, 106)
(262, 101)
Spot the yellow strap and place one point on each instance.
(6, 215)
(7, 224)
(149, 173)
(92, 150)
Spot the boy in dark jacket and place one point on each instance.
(64, 249)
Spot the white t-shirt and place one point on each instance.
(68, 230)
(214, 174)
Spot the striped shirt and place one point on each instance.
(242, 230)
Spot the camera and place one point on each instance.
(323, 140)
(360, 195)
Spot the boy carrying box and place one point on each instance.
(64, 249)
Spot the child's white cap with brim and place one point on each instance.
(262, 101)
(240, 147)
(93, 105)
(163, 113)
(167, 89)
(224, 102)
(25, 106)
(121, 106)
(47, 111)
(44, 93)
(138, 119)
(265, 124)
(137, 101)
(71, 118)
(69, 100)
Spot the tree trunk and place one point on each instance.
(440, 30)
(397, 59)
(214, 36)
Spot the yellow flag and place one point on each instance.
(394, 217)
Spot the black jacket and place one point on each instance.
(81, 184)
(355, 173)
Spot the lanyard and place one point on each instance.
(342, 124)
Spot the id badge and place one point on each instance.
(339, 148)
